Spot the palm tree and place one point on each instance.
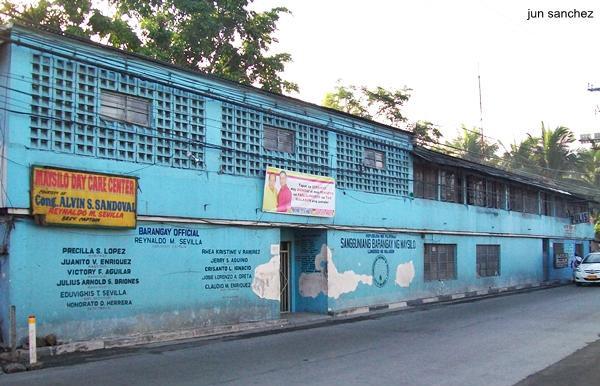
(553, 153)
(470, 145)
(589, 167)
(519, 157)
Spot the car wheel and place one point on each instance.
(578, 284)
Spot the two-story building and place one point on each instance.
(138, 196)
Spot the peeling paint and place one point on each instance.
(328, 280)
(405, 273)
(266, 279)
(344, 282)
(314, 283)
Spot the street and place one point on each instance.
(495, 341)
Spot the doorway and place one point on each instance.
(545, 259)
(284, 276)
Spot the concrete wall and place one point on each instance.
(5, 227)
(69, 278)
(374, 268)
(170, 281)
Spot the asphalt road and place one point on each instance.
(496, 341)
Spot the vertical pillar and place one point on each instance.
(213, 135)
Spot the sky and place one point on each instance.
(531, 70)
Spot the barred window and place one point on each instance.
(476, 191)
(561, 208)
(425, 182)
(496, 197)
(488, 260)
(530, 201)
(516, 199)
(440, 262)
(277, 139)
(374, 159)
(450, 189)
(547, 204)
(126, 108)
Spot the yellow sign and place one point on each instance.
(70, 197)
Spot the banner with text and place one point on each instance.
(297, 193)
(70, 197)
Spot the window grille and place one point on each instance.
(530, 201)
(450, 188)
(425, 181)
(244, 151)
(496, 195)
(476, 191)
(548, 204)
(516, 199)
(352, 173)
(440, 262)
(81, 109)
(488, 260)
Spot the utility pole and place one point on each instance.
(480, 111)
(593, 139)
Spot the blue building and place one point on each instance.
(135, 198)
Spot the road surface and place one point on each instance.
(495, 341)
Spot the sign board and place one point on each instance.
(561, 260)
(569, 230)
(71, 197)
(580, 218)
(297, 193)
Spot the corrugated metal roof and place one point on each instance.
(519, 177)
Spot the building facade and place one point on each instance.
(135, 199)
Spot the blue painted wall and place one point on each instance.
(520, 258)
(171, 281)
(222, 125)
(307, 246)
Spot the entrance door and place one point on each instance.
(284, 276)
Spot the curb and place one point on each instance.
(451, 298)
(276, 325)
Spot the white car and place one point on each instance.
(589, 270)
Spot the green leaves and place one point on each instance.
(472, 146)
(381, 104)
(220, 37)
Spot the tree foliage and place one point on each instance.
(220, 37)
(470, 145)
(382, 105)
(378, 103)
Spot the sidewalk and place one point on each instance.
(287, 322)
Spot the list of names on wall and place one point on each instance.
(227, 269)
(96, 278)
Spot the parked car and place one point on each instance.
(589, 269)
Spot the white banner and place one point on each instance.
(290, 192)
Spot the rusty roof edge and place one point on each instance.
(445, 159)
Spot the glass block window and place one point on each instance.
(248, 142)
(440, 262)
(276, 139)
(374, 159)
(488, 260)
(81, 109)
(352, 173)
(123, 107)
